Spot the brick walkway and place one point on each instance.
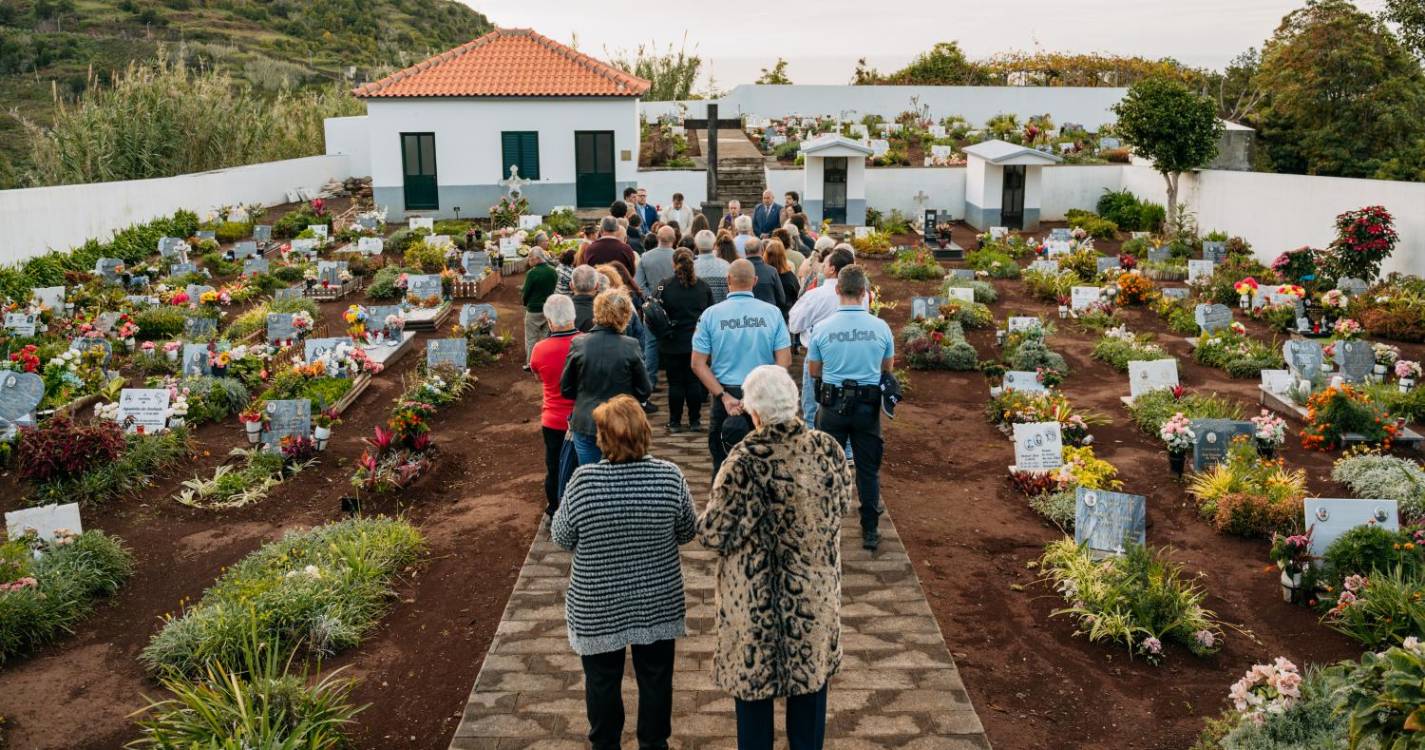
(898, 687)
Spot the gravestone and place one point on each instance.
(1038, 446)
(1328, 518)
(1044, 266)
(941, 153)
(1352, 287)
(1213, 317)
(141, 300)
(287, 293)
(1061, 234)
(1160, 253)
(377, 315)
(421, 222)
(368, 223)
(104, 322)
(304, 246)
(172, 248)
(1109, 144)
(1146, 376)
(925, 307)
(451, 352)
(1277, 381)
(962, 273)
(330, 271)
(20, 393)
(1107, 521)
(937, 131)
(206, 234)
(370, 245)
(999, 233)
(1214, 437)
(108, 269)
(320, 232)
(21, 324)
(509, 247)
(1200, 269)
(1214, 251)
(880, 146)
(198, 328)
(440, 241)
(961, 293)
(49, 296)
(1175, 292)
(1355, 360)
(1019, 323)
(86, 343)
(1104, 264)
(143, 408)
(530, 221)
(1055, 248)
(1303, 358)
(474, 262)
(1082, 297)
(196, 291)
(255, 266)
(195, 360)
(313, 349)
(1023, 381)
(287, 417)
(280, 328)
(244, 249)
(930, 223)
(262, 233)
(423, 287)
(182, 269)
(138, 282)
(482, 317)
(43, 521)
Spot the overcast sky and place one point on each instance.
(822, 39)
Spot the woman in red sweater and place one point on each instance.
(546, 361)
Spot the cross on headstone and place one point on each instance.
(514, 184)
(920, 199)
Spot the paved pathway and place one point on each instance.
(898, 687)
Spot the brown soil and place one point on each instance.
(973, 538)
(478, 509)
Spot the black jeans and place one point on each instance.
(683, 388)
(603, 696)
(719, 415)
(806, 722)
(862, 426)
(553, 443)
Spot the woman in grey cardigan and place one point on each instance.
(775, 522)
(624, 518)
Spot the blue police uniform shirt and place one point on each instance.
(850, 346)
(739, 334)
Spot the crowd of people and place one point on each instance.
(720, 313)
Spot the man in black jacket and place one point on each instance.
(584, 284)
(769, 284)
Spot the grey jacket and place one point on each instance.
(601, 365)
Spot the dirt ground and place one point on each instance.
(971, 536)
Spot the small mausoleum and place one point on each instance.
(447, 133)
(834, 177)
(1003, 185)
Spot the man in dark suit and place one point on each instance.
(767, 216)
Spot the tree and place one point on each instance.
(672, 73)
(864, 75)
(1343, 97)
(1236, 88)
(1042, 68)
(1409, 15)
(1165, 121)
(777, 76)
(944, 65)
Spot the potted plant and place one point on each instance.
(1270, 433)
(322, 427)
(171, 349)
(1178, 435)
(1292, 554)
(1407, 372)
(1063, 307)
(1246, 288)
(253, 419)
(1386, 357)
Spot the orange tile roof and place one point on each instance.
(508, 62)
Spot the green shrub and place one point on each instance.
(1123, 208)
(1032, 353)
(322, 590)
(937, 344)
(1049, 287)
(997, 263)
(1238, 355)
(1059, 507)
(294, 222)
(425, 257)
(383, 284)
(1387, 477)
(985, 292)
(1365, 550)
(1382, 698)
(1097, 227)
(1387, 608)
(218, 266)
(69, 577)
(213, 399)
(144, 457)
(259, 702)
(916, 264)
(229, 232)
(1150, 410)
(1118, 351)
(1309, 723)
(563, 222)
(160, 323)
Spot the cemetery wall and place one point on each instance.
(663, 183)
(34, 220)
(350, 136)
(896, 187)
(1088, 106)
(1066, 187)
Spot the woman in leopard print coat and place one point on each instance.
(775, 521)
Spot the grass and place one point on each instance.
(321, 590)
(70, 576)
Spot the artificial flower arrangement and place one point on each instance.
(1266, 689)
(27, 359)
(1246, 289)
(1013, 407)
(1346, 329)
(342, 361)
(1269, 430)
(1292, 555)
(1177, 434)
(1335, 299)
(1407, 372)
(302, 322)
(1134, 288)
(399, 453)
(356, 322)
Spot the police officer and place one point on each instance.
(846, 357)
(733, 337)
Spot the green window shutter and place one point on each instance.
(529, 155)
(521, 148)
(509, 153)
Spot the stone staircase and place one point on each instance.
(742, 179)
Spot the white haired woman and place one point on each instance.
(774, 521)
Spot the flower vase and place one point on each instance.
(129, 343)
(220, 371)
(1380, 373)
(1244, 301)
(321, 435)
(1176, 461)
(171, 354)
(175, 422)
(1265, 449)
(1406, 384)
(1291, 586)
(1063, 311)
(254, 432)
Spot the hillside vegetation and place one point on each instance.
(58, 49)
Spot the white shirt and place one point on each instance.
(815, 306)
(684, 216)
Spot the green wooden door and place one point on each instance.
(594, 168)
(418, 167)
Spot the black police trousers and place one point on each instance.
(862, 426)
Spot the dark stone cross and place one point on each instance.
(712, 207)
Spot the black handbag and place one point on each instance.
(655, 316)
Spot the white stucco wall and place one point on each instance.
(350, 136)
(36, 220)
(1090, 107)
(1066, 187)
(661, 184)
(467, 135)
(890, 188)
(1033, 181)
